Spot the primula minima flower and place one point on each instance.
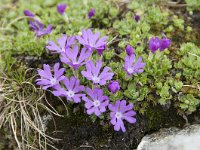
(91, 13)
(137, 18)
(28, 13)
(97, 102)
(164, 43)
(38, 27)
(63, 43)
(48, 80)
(129, 50)
(119, 112)
(101, 49)
(92, 41)
(114, 86)
(131, 67)
(154, 44)
(73, 91)
(73, 58)
(93, 73)
(61, 8)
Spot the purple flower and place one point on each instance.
(28, 13)
(73, 91)
(137, 18)
(38, 27)
(48, 80)
(92, 41)
(63, 44)
(97, 102)
(164, 43)
(129, 50)
(93, 73)
(101, 49)
(119, 112)
(154, 44)
(114, 86)
(131, 68)
(61, 8)
(91, 13)
(73, 58)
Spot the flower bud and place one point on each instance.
(129, 50)
(114, 86)
(61, 8)
(154, 44)
(91, 13)
(164, 43)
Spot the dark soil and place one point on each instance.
(196, 24)
(77, 131)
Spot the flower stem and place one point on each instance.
(75, 73)
(66, 18)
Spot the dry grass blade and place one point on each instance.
(21, 103)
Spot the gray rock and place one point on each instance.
(173, 139)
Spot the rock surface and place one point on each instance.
(173, 139)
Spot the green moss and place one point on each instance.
(154, 118)
(158, 117)
(193, 4)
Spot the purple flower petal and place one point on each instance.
(129, 50)
(131, 68)
(114, 86)
(73, 59)
(91, 42)
(73, 90)
(38, 27)
(61, 8)
(93, 103)
(154, 44)
(164, 43)
(91, 13)
(33, 26)
(93, 73)
(137, 18)
(28, 13)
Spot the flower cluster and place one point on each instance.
(76, 51)
(155, 43)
